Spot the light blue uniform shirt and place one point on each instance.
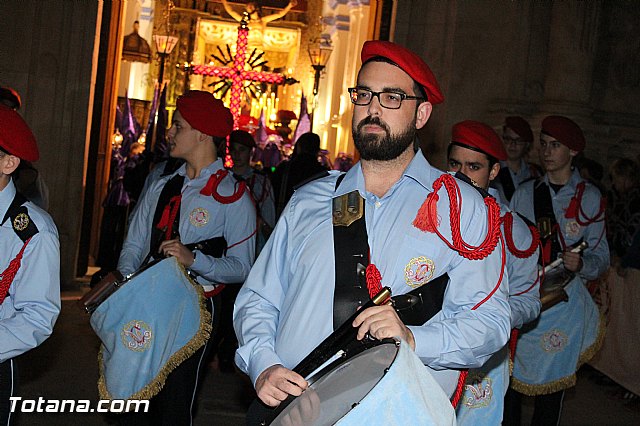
(483, 399)
(201, 218)
(523, 298)
(285, 308)
(29, 312)
(596, 257)
(550, 350)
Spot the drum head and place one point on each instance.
(333, 395)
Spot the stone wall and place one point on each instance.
(497, 58)
(46, 51)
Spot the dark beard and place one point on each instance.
(382, 148)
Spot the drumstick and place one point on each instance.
(559, 261)
(338, 340)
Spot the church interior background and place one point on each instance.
(492, 58)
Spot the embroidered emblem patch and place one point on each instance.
(199, 217)
(20, 222)
(136, 335)
(478, 390)
(554, 341)
(418, 271)
(572, 229)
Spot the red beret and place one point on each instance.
(564, 131)
(408, 62)
(243, 138)
(205, 113)
(521, 127)
(10, 97)
(479, 135)
(16, 137)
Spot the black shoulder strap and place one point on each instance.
(504, 175)
(20, 220)
(351, 252)
(172, 188)
(546, 221)
(467, 179)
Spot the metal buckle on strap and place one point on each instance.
(347, 208)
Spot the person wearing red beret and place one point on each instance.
(202, 216)
(241, 145)
(517, 138)
(29, 260)
(567, 210)
(476, 151)
(385, 222)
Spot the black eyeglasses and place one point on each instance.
(512, 141)
(389, 100)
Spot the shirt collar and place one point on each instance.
(206, 172)
(418, 170)
(6, 197)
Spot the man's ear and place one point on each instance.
(494, 171)
(423, 113)
(9, 164)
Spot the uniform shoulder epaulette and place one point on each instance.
(21, 222)
(317, 176)
(468, 180)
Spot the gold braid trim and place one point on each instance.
(564, 382)
(546, 388)
(196, 342)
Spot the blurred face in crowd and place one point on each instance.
(240, 154)
(554, 156)
(514, 145)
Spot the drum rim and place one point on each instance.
(337, 364)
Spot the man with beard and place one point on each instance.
(310, 278)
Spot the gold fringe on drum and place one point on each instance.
(198, 340)
(564, 382)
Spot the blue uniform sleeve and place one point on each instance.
(258, 305)
(475, 319)
(524, 297)
(35, 294)
(595, 258)
(240, 234)
(136, 244)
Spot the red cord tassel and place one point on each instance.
(6, 278)
(427, 218)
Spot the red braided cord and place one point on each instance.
(175, 208)
(455, 199)
(507, 220)
(463, 374)
(455, 399)
(6, 278)
(503, 262)
(211, 188)
(577, 199)
(374, 280)
(217, 290)
(513, 342)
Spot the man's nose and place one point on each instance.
(374, 107)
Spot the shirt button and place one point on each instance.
(377, 204)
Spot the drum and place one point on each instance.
(385, 384)
(154, 322)
(552, 288)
